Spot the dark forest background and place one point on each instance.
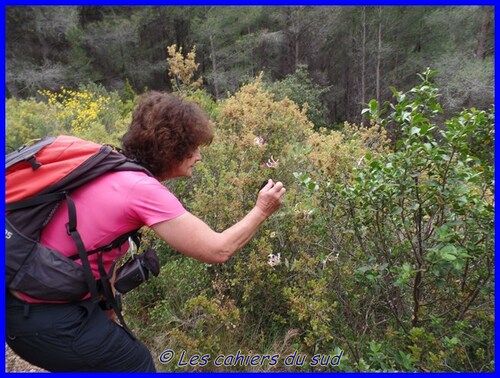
(352, 53)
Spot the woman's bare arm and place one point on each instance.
(191, 236)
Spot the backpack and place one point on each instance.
(38, 178)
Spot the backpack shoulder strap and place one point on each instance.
(132, 165)
(33, 201)
(118, 242)
(75, 235)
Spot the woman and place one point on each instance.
(165, 136)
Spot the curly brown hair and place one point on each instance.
(165, 130)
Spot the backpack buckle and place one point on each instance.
(132, 246)
(34, 164)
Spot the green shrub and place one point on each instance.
(422, 225)
(26, 120)
(299, 88)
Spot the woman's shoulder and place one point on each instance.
(131, 178)
(138, 184)
(123, 183)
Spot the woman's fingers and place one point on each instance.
(269, 199)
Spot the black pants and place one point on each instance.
(72, 337)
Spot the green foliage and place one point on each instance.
(160, 301)
(203, 99)
(26, 120)
(299, 88)
(209, 325)
(260, 137)
(422, 217)
(383, 249)
(228, 37)
(128, 97)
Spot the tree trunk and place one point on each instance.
(379, 50)
(40, 19)
(363, 56)
(347, 92)
(297, 32)
(483, 36)
(214, 66)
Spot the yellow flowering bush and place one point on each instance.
(77, 110)
(91, 112)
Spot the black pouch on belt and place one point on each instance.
(136, 271)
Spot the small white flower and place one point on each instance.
(274, 259)
(330, 258)
(307, 213)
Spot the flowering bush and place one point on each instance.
(90, 113)
(283, 271)
(77, 111)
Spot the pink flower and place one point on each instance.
(258, 141)
(271, 163)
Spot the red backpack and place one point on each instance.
(38, 178)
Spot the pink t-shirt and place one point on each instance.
(107, 208)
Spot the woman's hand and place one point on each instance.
(269, 198)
